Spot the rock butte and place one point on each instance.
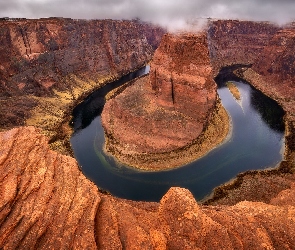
(169, 110)
(46, 202)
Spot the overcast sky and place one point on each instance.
(167, 12)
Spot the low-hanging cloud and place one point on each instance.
(169, 13)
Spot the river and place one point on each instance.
(256, 142)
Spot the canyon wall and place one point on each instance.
(261, 53)
(273, 73)
(46, 202)
(235, 42)
(48, 65)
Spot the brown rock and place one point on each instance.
(236, 42)
(168, 111)
(46, 202)
(273, 73)
(49, 65)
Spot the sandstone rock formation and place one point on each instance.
(48, 65)
(273, 73)
(236, 43)
(169, 110)
(46, 202)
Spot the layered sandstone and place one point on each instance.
(168, 111)
(48, 65)
(273, 73)
(235, 42)
(47, 203)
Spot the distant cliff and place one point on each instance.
(234, 42)
(48, 65)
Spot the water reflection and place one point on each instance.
(255, 134)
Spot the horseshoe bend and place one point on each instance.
(49, 66)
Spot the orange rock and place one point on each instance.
(168, 110)
(46, 202)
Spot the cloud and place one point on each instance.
(170, 13)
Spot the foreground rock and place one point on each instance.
(46, 203)
(49, 65)
(169, 110)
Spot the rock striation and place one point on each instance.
(168, 110)
(235, 43)
(273, 73)
(48, 203)
(48, 65)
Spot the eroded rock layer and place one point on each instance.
(273, 73)
(235, 42)
(48, 65)
(46, 202)
(168, 110)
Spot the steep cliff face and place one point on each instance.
(48, 65)
(167, 111)
(38, 53)
(181, 76)
(273, 73)
(46, 202)
(234, 42)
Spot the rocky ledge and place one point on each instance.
(172, 112)
(46, 202)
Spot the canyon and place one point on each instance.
(49, 65)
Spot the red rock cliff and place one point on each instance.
(48, 65)
(234, 42)
(273, 73)
(38, 56)
(167, 111)
(181, 76)
(38, 53)
(46, 202)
